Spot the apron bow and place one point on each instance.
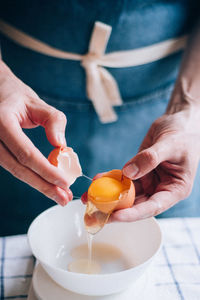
(102, 89)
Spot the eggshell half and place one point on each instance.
(67, 160)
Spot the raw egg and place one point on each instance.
(112, 191)
(67, 160)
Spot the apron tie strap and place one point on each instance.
(102, 89)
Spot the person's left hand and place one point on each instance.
(164, 169)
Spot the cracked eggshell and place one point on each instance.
(67, 160)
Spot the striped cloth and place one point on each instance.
(175, 272)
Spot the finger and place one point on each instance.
(148, 159)
(140, 199)
(28, 155)
(8, 162)
(54, 121)
(155, 205)
(84, 198)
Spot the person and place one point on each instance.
(42, 81)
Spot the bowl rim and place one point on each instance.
(83, 274)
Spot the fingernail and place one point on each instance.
(131, 170)
(61, 139)
(61, 184)
(84, 198)
(62, 200)
(70, 195)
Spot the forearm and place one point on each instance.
(187, 88)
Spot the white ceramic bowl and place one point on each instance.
(58, 230)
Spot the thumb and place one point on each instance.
(147, 160)
(53, 120)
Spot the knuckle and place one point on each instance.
(48, 191)
(24, 156)
(15, 171)
(187, 190)
(156, 208)
(183, 190)
(186, 186)
(33, 96)
(59, 115)
(151, 157)
(157, 211)
(5, 118)
(156, 124)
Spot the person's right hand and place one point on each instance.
(20, 107)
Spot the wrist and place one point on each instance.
(184, 97)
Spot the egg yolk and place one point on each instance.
(105, 189)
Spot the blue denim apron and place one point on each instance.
(145, 89)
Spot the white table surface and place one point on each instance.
(175, 272)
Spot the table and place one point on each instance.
(176, 270)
